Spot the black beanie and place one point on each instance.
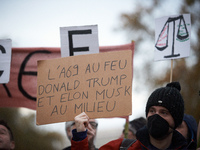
(170, 98)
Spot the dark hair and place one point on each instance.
(136, 124)
(3, 123)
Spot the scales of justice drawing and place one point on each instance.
(177, 30)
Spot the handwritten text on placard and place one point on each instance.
(98, 84)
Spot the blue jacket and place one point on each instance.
(192, 128)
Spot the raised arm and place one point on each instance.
(80, 139)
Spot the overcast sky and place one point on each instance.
(36, 22)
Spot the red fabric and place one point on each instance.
(116, 145)
(21, 89)
(113, 145)
(80, 145)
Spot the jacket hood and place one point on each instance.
(192, 127)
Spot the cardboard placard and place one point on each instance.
(98, 84)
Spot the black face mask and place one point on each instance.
(157, 126)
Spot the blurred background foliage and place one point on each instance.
(139, 25)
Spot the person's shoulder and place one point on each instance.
(136, 145)
(126, 143)
(67, 148)
(115, 144)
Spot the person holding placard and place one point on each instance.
(92, 130)
(164, 112)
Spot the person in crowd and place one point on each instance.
(92, 129)
(6, 136)
(134, 126)
(188, 129)
(164, 112)
(198, 136)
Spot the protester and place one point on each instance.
(164, 112)
(134, 126)
(198, 136)
(92, 129)
(188, 129)
(6, 137)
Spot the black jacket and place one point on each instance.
(178, 141)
